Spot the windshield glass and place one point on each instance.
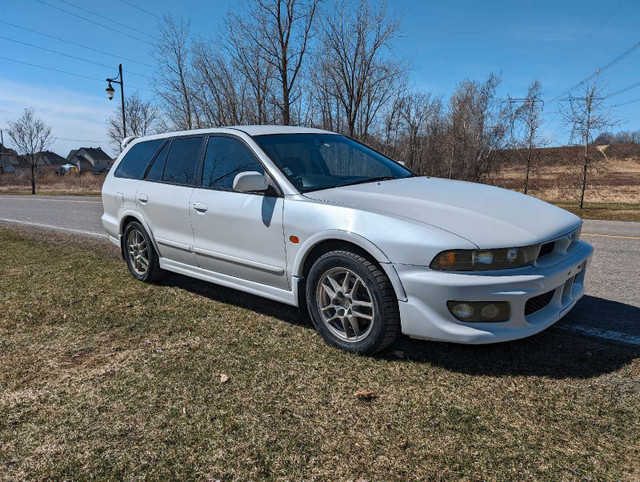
(323, 161)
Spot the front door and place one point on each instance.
(237, 234)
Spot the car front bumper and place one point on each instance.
(425, 315)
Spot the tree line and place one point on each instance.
(330, 65)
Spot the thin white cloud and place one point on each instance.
(71, 115)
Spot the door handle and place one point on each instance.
(200, 207)
(143, 198)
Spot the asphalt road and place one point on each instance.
(610, 309)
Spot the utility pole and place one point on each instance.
(4, 168)
(526, 106)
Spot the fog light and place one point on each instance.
(462, 310)
(487, 311)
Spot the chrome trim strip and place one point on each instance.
(173, 244)
(240, 261)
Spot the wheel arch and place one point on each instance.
(327, 241)
(126, 218)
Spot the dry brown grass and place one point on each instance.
(77, 184)
(105, 377)
(555, 178)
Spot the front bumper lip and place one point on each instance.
(425, 314)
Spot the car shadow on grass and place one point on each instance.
(552, 354)
(289, 314)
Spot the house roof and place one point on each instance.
(51, 157)
(7, 150)
(95, 153)
(72, 154)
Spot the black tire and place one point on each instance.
(385, 326)
(153, 273)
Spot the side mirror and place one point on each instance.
(250, 181)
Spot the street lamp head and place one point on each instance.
(110, 90)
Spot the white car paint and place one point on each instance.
(225, 238)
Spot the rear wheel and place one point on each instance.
(141, 256)
(352, 303)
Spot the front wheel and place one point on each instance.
(352, 303)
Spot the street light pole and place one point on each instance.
(110, 92)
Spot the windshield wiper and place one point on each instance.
(370, 179)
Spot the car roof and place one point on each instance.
(260, 130)
(256, 130)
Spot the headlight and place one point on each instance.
(485, 259)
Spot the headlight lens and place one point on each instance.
(485, 259)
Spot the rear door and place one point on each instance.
(164, 195)
(120, 187)
(237, 234)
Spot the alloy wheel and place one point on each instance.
(345, 304)
(138, 252)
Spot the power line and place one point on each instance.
(52, 69)
(63, 71)
(142, 9)
(68, 55)
(81, 140)
(107, 19)
(626, 103)
(632, 86)
(94, 22)
(573, 49)
(598, 71)
(76, 44)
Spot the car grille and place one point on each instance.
(538, 302)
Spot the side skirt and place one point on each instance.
(258, 289)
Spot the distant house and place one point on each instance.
(8, 159)
(11, 162)
(50, 160)
(90, 159)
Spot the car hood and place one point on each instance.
(487, 216)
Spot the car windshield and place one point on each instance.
(322, 161)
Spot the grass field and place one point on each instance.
(607, 211)
(102, 376)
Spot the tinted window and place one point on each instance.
(155, 171)
(137, 159)
(225, 158)
(321, 161)
(181, 162)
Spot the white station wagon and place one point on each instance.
(312, 218)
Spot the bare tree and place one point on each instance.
(281, 31)
(587, 115)
(220, 89)
(420, 113)
(531, 115)
(357, 67)
(30, 136)
(478, 125)
(256, 70)
(141, 117)
(173, 84)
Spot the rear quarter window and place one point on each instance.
(135, 162)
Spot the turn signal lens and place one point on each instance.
(447, 260)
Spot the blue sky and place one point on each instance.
(446, 41)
